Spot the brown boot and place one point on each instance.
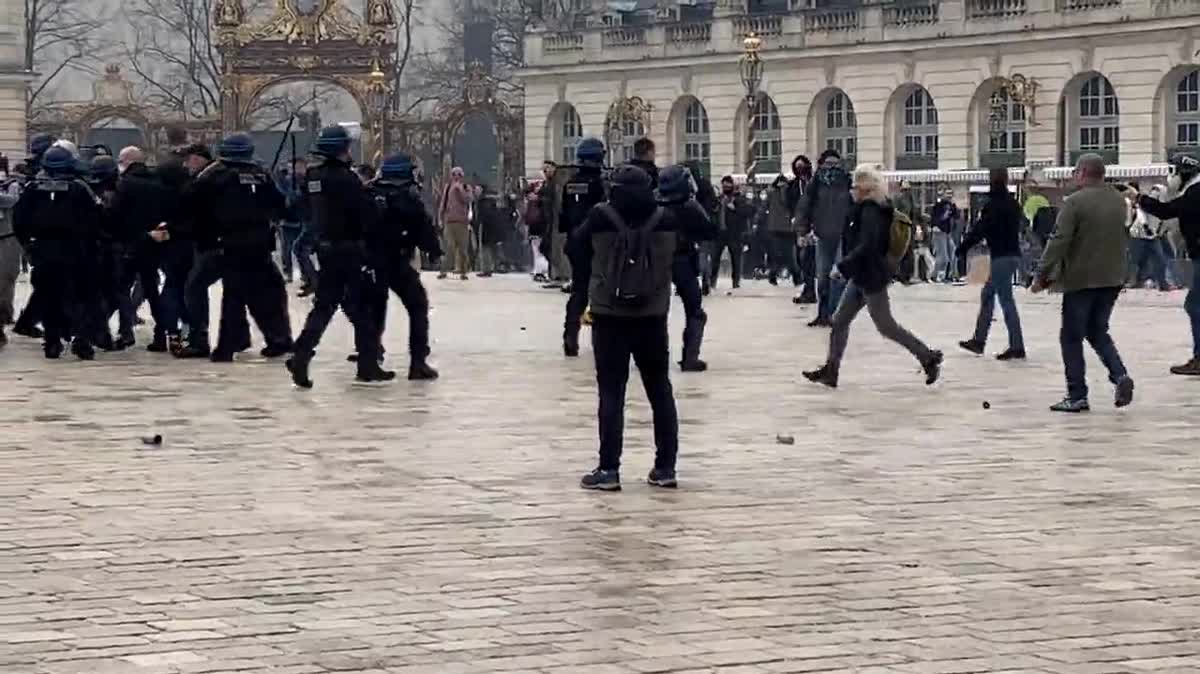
(1188, 369)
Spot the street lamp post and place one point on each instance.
(378, 101)
(750, 67)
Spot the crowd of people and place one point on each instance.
(107, 235)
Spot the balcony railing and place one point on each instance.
(561, 42)
(689, 33)
(994, 9)
(1085, 5)
(624, 37)
(833, 21)
(910, 15)
(916, 162)
(991, 160)
(1109, 156)
(762, 26)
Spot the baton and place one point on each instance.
(279, 150)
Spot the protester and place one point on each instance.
(943, 220)
(733, 220)
(828, 209)
(868, 271)
(1086, 259)
(457, 200)
(999, 224)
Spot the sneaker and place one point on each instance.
(694, 366)
(221, 356)
(665, 479)
(442, 276)
(1011, 354)
(1124, 394)
(822, 375)
(299, 369)
(371, 375)
(933, 367)
(1071, 406)
(820, 322)
(1188, 369)
(773, 280)
(123, 343)
(83, 351)
(422, 372)
(175, 344)
(972, 345)
(192, 351)
(602, 480)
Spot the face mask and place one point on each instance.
(727, 190)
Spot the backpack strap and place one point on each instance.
(614, 217)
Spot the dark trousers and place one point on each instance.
(341, 282)
(176, 259)
(114, 297)
(252, 281)
(646, 340)
(70, 298)
(685, 273)
(577, 301)
(31, 314)
(207, 270)
(1085, 316)
(402, 279)
(731, 241)
(289, 234)
(143, 265)
(1146, 261)
(783, 256)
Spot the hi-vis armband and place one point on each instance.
(314, 186)
(578, 189)
(250, 179)
(53, 186)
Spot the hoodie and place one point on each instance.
(829, 204)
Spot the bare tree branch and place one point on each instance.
(65, 33)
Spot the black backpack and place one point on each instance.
(631, 276)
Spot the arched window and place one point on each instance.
(917, 139)
(628, 133)
(1187, 111)
(767, 140)
(841, 127)
(571, 132)
(1099, 116)
(696, 139)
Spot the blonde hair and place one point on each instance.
(869, 177)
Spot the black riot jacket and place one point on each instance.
(583, 190)
(403, 225)
(341, 210)
(233, 207)
(141, 203)
(57, 213)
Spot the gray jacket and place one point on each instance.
(779, 217)
(828, 206)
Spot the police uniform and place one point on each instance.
(56, 218)
(31, 315)
(238, 201)
(102, 178)
(404, 226)
(342, 213)
(584, 190)
(677, 196)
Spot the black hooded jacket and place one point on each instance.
(1000, 222)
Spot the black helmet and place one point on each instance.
(1186, 164)
(103, 167)
(333, 141)
(398, 166)
(58, 160)
(675, 183)
(630, 176)
(590, 150)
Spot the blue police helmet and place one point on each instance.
(333, 140)
(238, 147)
(631, 176)
(675, 183)
(590, 149)
(398, 166)
(58, 160)
(40, 142)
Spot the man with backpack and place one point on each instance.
(874, 243)
(628, 244)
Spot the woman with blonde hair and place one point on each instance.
(867, 270)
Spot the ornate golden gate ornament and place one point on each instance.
(308, 40)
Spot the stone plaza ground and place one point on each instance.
(439, 527)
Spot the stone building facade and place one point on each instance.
(13, 79)
(922, 88)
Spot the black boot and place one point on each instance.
(277, 349)
(823, 375)
(159, 344)
(83, 350)
(175, 344)
(53, 350)
(421, 371)
(693, 337)
(371, 372)
(571, 345)
(298, 366)
(28, 330)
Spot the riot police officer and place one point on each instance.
(342, 213)
(677, 194)
(31, 315)
(56, 219)
(102, 178)
(238, 201)
(404, 226)
(583, 190)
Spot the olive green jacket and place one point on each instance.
(1090, 246)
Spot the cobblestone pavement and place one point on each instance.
(438, 528)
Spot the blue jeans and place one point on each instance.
(302, 248)
(829, 292)
(1085, 315)
(1192, 306)
(1000, 286)
(1146, 260)
(289, 233)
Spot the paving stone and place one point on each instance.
(438, 527)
